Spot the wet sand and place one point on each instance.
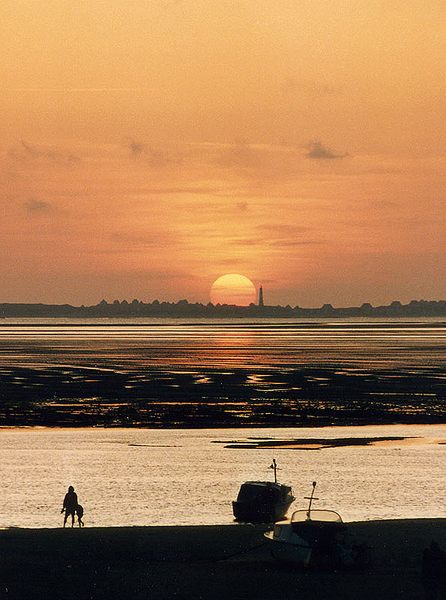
(229, 562)
(323, 443)
(197, 396)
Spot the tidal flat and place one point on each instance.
(170, 374)
(307, 396)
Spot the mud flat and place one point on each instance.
(323, 443)
(208, 563)
(56, 395)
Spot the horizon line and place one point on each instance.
(184, 301)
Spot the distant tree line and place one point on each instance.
(183, 308)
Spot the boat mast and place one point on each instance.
(310, 498)
(274, 466)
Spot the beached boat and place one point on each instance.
(262, 501)
(315, 538)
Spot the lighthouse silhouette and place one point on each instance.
(260, 296)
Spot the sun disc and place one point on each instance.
(233, 289)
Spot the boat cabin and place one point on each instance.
(267, 491)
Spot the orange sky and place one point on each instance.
(150, 146)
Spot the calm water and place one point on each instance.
(163, 343)
(181, 477)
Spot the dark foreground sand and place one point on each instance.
(215, 562)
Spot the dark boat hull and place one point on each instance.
(252, 512)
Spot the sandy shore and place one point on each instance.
(228, 562)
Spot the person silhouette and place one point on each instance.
(80, 514)
(69, 505)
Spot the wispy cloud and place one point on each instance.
(36, 206)
(292, 85)
(161, 158)
(242, 206)
(75, 90)
(154, 239)
(180, 189)
(27, 151)
(282, 229)
(136, 148)
(318, 151)
(270, 242)
(284, 235)
(155, 157)
(240, 154)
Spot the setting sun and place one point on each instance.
(233, 289)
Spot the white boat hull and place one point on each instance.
(288, 547)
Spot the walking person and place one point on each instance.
(69, 505)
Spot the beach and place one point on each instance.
(205, 562)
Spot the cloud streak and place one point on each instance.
(75, 90)
(36, 206)
(292, 85)
(27, 151)
(155, 157)
(317, 150)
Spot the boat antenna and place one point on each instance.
(310, 498)
(274, 466)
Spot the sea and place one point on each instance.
(240, 343)
(185, 476)
(126, 477)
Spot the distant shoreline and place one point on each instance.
(297, 322)
(185, 309)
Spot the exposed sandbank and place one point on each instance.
(323, 443)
